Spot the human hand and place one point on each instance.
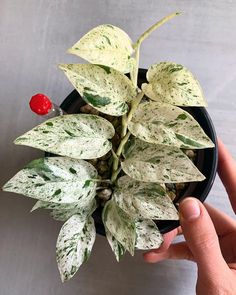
(210, 237)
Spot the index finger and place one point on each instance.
(227, 172)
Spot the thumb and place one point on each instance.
(201, 237)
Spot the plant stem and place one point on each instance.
(134, 104)
(153, 28)
(122, 143)
(123, 131)
(115, 174)
(126, 119)
(115, 163)
(134, 79)
(116, 156)
(134, 72)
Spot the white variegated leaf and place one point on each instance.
(105, 89)
(159, 163)
(78, 136)
(57, 180)
(74, 244)
(106, 45)
(116, 247)
(119, 225)
(174, 84)
(144, 200)
(161, 123)
(83, 212)
(148, 235)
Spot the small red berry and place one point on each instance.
(40, 104)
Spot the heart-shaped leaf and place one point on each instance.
(174, 84)
(119, 225)
(144, 200)
(77, 136)
(56, 180)
(162, 123)
(105, 89)
(159, 163)
(74, 244)
(116, 247)
(106, 45)
(148, 235)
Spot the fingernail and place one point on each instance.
(189, 209)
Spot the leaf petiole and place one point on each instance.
(153, 28)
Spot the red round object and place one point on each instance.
(40, 104)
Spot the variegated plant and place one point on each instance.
(153, 133)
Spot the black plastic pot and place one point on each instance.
(206, 159)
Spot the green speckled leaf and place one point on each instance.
(119, 225)
(162, 123)
(144, 200)
(105, 89)
(78, 136)
(74, 244)
(174, 84)
(116, 247)
(159, 163)
(83, 212)
(106, 45)
(51, 180)
(148, 235)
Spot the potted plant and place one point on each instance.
(125, 157)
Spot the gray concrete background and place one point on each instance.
(34, 36)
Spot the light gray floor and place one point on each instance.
(34, 36)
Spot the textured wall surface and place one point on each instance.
(34, 36)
